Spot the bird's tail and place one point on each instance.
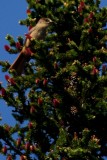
(18, 64)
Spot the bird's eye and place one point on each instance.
(47, 20)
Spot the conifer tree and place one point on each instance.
(60, 101)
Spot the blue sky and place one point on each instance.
(11, 11)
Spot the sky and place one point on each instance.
(11, 11)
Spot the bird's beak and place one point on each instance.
(51, 21)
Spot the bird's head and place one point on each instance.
(45, 22)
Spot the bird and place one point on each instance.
(38, 32)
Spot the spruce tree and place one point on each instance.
(60, 101)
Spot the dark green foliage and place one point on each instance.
(60, 103)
